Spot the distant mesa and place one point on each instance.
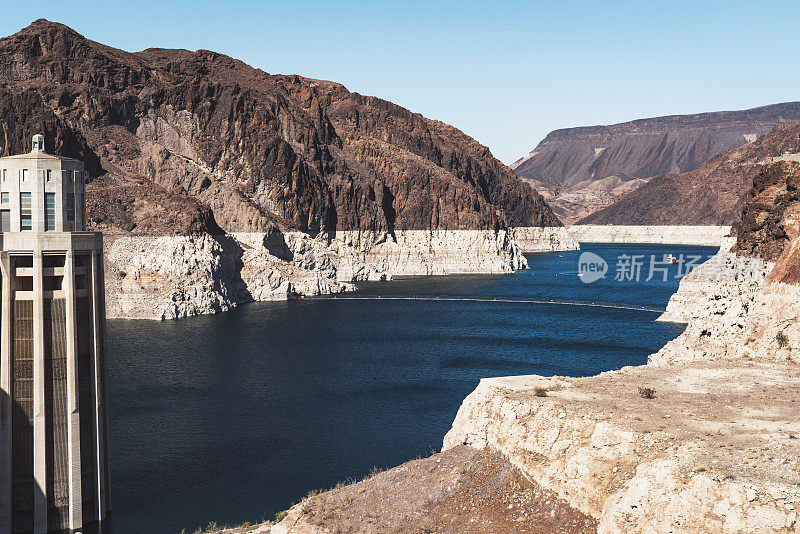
(713, 194)
(583, 170)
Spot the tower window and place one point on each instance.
(70, 207)
(25, 211)
(5, 221)
(50, 211)
(24, 175)
(49, 175)
(4, 198)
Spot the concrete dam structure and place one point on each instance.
(53, 417)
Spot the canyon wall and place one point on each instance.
(734, 307)
(177, 276)
(217, 183)
(546, 239)
(711, 236)
(714, 301)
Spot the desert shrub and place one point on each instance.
(647, 393)
(374, 471)
(783, 340)
(539, 391)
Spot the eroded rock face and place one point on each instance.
(547, 239)
(739, 306)
(581, 170)
(710, 236)
(241, 150)
(770, 215)
(702, 456)
(176, 276)
(774, 320)
(715, 301)
(770, 229)
(774, 323)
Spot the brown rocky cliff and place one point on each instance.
(242, 149)
(768, 220)
(770, 223)
(713, 194)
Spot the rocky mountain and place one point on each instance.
(770, 214)
(713, 194)
(181, 142)
(582, 170)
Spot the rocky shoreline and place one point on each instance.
(711, 236)
(178, 276)
(715, 450)
(169, 277)
(545, 239)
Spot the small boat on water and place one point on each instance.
(671, 259)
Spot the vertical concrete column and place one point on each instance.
(37, 199)
(39, 413)
(73, 406)
(5, 396)
(97, 289)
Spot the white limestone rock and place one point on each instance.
(713, 236)
(547, 239)
(178, 276)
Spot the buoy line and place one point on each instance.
(506, 300)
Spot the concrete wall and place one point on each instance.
(45, 278)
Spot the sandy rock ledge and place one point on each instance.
(715, 450)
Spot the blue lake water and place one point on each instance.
(232, 418)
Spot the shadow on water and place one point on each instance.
(231, 418)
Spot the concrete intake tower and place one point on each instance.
(53, 417)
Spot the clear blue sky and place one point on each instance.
(506, 72)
